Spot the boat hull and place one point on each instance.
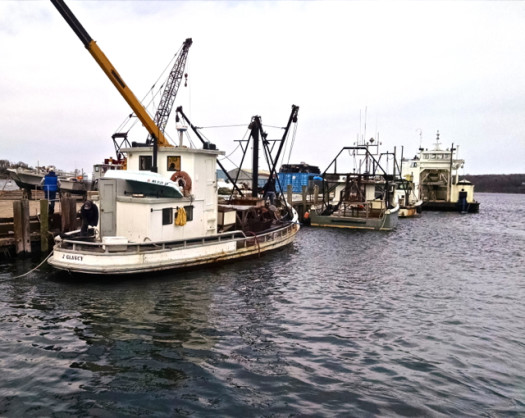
(74, 187)
(444, 206)
(26, 179)
(387, 222)
(411, 211)
(104, 259)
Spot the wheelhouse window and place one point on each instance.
(167, 216)
(145, 162)
(189, 212)
(173, 163)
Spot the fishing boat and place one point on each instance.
(99, 170)
(27, 179)
(163, 211)
(76, 184)
(435, 175)
(153, 221)
(30, 179)
(410, 206)
(361, 198)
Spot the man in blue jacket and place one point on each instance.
(50, 184)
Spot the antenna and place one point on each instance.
(437, 141)
(420, 132)
(364, 135)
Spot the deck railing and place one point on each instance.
(242, 239)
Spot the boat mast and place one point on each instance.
(450, 172)
(206, 145)
(256, 128)
(292, 118)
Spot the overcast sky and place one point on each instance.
(412, 67)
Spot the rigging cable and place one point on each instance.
(222, 126)
(121, 127)
(227, 157)
(293, 141)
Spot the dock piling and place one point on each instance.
(44, 225)
(303, 193)
(68, 209)
(289, 196)
(21, 226)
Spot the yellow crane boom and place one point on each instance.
(112, 73)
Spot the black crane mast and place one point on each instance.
(171, 89)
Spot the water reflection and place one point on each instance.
(424, 321)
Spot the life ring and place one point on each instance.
(183, 179)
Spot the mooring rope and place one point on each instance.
(32, 270)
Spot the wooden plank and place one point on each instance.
(7, 242)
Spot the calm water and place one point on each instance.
(425, 321)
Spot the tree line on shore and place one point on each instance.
(498, 183)
(5, 164)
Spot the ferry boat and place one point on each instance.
(435, 174)
(163, 211)
(363, 198)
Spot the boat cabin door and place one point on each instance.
(108, 203)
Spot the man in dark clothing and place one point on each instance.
(269, 190)
(50, 184)
(89, 215)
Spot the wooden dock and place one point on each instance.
(27, 227)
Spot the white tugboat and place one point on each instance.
(163, 212)
(435, 174)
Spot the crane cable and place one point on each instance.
(150, 91)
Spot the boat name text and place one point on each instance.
(71, 257)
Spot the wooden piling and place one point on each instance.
(44, 225)
(21, 226)
(68, 209)
(304, 190)
(289, 196)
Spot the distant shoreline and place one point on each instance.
(497, 183)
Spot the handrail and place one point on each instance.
(203, 240)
